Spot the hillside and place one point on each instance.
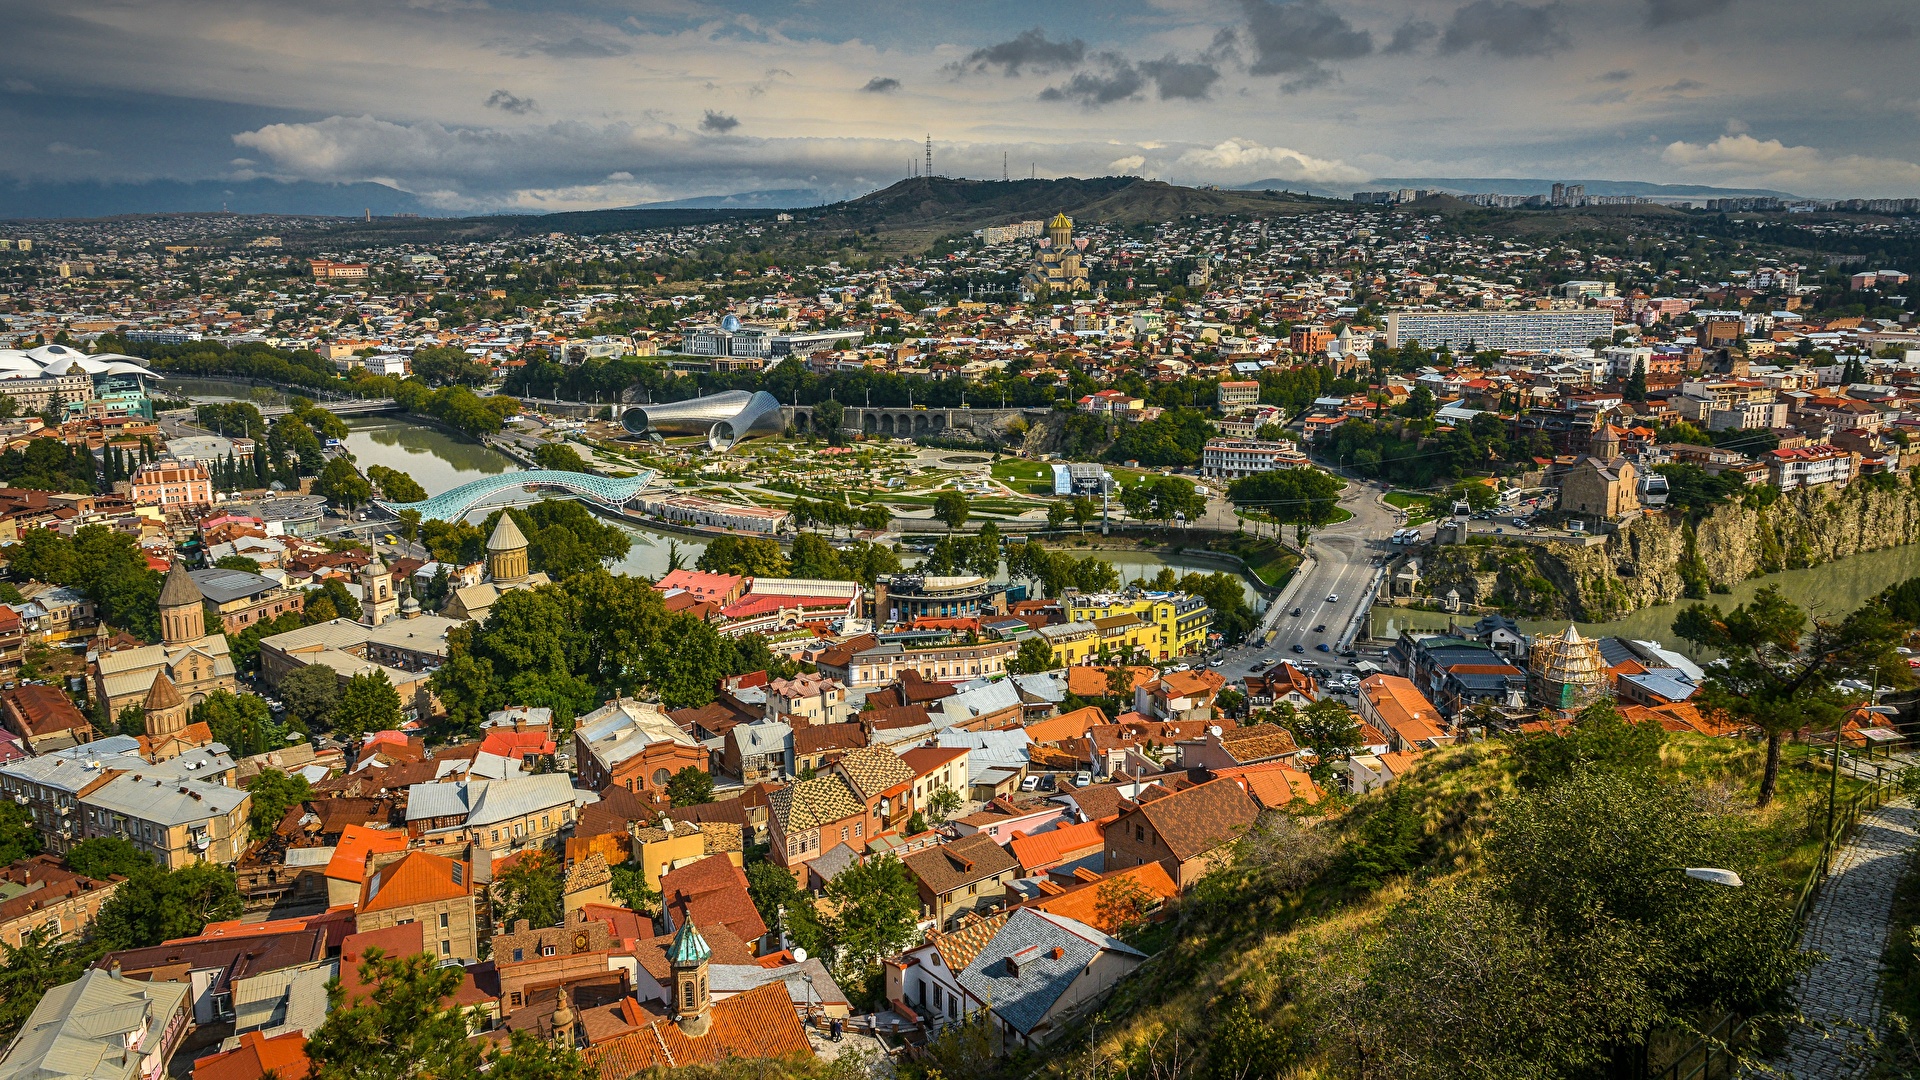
(1519, 889)
(913, 213)
(907, 217)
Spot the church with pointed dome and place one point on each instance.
(194, 662)
(507, 570)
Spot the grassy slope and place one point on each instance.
(1184, 987)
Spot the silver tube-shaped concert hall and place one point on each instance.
(726, 418)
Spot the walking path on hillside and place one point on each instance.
(1840, 996)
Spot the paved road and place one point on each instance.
(1344, 563)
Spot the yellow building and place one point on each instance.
(658, 849)
(1179, 621)
(1059, 267)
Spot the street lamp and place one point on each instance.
(1713, 875)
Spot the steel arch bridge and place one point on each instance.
(452, 504)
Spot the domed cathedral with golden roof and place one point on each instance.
(1059, 267)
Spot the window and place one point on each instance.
(660, 777)
(518, 954)
(496, 836)
(515, 996)
(859, 828)
(543, 822)
(446, 948)
(687, 996)
(519, 829)
(843, 833)
(443, 920)
(1140, 833)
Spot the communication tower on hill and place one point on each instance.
(929, 153)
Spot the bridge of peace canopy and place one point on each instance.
(453, 504)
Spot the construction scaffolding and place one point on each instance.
(1565, 671)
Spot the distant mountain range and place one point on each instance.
(777, 199)
(1507, 185)
(82, 199)
(938, 196)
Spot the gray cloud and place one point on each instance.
(881, 84)
(508, 103)
(1506, 28)
(1620, 75)
(1410, 36)
(1118, 79)
(718, 123)
(1668, 12)
(1185, 80)
(577, 48)
(1030, 49)
(1893, 29)
(1293, 37)
(1683, 86)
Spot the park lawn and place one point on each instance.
(1017, 471)
(1419, 508)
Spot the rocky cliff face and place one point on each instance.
(1664, 558)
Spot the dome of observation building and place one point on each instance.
(730, 323)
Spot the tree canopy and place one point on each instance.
(1779, 669)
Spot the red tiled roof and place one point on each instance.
(1073, 725)
(760, 1023)
(924, 759)
(516, 743)
(1081, 903)
(417, 878)
(285, 1056)
(713, 891)
(1055, 846)
(1201, 818)
(349, 862)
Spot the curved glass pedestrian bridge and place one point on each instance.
(453, 504)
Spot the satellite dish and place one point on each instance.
(800, 956)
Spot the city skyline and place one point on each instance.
(472, 107)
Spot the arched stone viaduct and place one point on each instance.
(905, 423)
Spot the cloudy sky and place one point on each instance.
(569, 104)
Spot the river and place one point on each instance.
(439, 460)
(1831, 590)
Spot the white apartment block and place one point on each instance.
(1809, 466)
(1234, 458)
(1507, 331)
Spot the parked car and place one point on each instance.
(1323, 647)
(1031, 783)
(1297, 647)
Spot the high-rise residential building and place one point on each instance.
(1508, 331)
